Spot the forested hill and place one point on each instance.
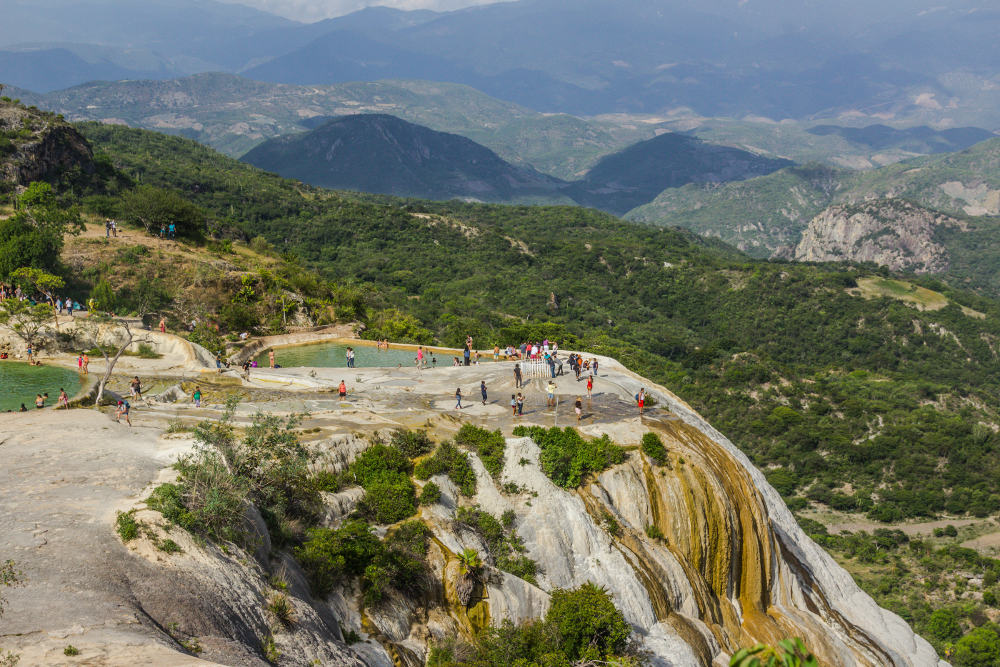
(824, 374)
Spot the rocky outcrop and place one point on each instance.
(39, 146)
(727, 565)
(890, 232)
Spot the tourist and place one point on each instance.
(455, 361)
(218, 362)
(349, 354)
(550, 392)
(640, 398)
(434, 361)
(31, 359)
(466, 354)
(342, 389)
(458, 398)
(482, 390)
(197, 396)
(63, 399)
(496, 353)
(513, 405)
(122, 411)
(172, 230)
(114, 228)
(246, 370)
(270, 358)
(163, 231)
(518, 381)
(58, 306)
(520, 404)
(86, 364)
(39, 401)
(594, 366)
(590, 388)
(23, 409)
(135, 387)
(79, 363)
(163, 325)
(107, 228)
(578, 408)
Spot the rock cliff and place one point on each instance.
(36, 146)
(726, 566)
(887, 232)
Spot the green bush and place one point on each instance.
(566, 457)
(430, 494)
(489, 445)
(453, 462)
(582, 626)
(353, 550)
(943, 625)
(383, 472)
(979, 648)
(411, 443)
(126, 526)
(653, 447)
(505, 546)
(783, 480)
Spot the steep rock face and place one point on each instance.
(38, 146)
(889, 232)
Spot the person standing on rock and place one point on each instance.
(520, 404)
(135, 388)
(550, 392)
(197, 396)
(458, 398)
(467, 354)
(517, 376)
(482, 390)
(63, 399)
(590, 388)
(641, 399)
(163, 325)
(342, 389)
(86, 364)
(420, 356)
(513, 405)
(578, 408)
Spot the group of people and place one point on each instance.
(42, 399)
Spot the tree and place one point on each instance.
(90, 331)
(25, 320)
(33, 236)
(587, 623)
(979, 648)
(43, 282)
(155, 208)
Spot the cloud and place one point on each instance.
(315, 10)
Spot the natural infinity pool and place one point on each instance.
(19, 383)
(332, 355)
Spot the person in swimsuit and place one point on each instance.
(578, 408)
(590, 388)
(63, 399)
(342, 389)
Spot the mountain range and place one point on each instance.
(384, 154)
(899, 59)
(951, 201)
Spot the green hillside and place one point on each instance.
(384, 154)
(848, 399)
(766, 216)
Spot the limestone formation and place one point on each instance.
(729, 565)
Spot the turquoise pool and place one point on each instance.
(332, 355)
(19, 383)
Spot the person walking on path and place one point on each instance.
(517, 376)
(520, 404)
(513, 405)
(342, 389)
(590, 388)
(641, 399)
(122, 411)
(550, 391)
(482, 390)
(458, 398)
(197, 396)
(578, 408)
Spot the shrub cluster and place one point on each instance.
(383, 471)
(653, 447)
(505, 548)
(327, 555)
(582, 626)
(489, 445)
(452, 461)
(567, 457)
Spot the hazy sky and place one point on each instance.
(314, 10)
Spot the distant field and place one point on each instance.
(921, 297)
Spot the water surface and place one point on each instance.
(19, 383)
(333, 355)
